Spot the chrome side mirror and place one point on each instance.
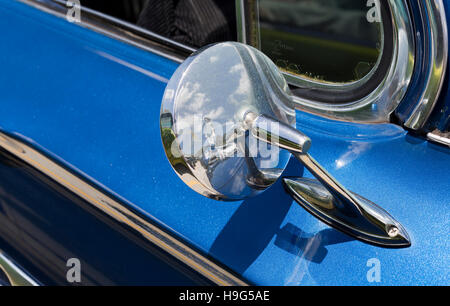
(228, 129)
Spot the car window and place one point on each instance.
(331, 51)
(338, 41)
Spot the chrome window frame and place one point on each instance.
(377, 106)
(118, 29)
(436, 56)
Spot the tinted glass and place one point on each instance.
(337, 41)
(193, 23)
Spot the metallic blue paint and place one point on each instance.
(58, 88)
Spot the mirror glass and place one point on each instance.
(202, 121)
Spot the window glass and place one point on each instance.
(338, 41)
(194, 23)
(327, 41)
(127, 10)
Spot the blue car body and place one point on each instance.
(94, 103)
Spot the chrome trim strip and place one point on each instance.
(16, 275)
(119, 30)
(240, 17)
(378, 106)
(77, 183)
(439, 137)
(438, 46)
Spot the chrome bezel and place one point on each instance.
(378, 105)
(436, 55)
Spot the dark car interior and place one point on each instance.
(192, 22)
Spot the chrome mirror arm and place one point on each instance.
(326, 198)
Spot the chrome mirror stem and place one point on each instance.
(326, 198)
(276, 133)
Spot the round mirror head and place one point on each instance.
(202, 121)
